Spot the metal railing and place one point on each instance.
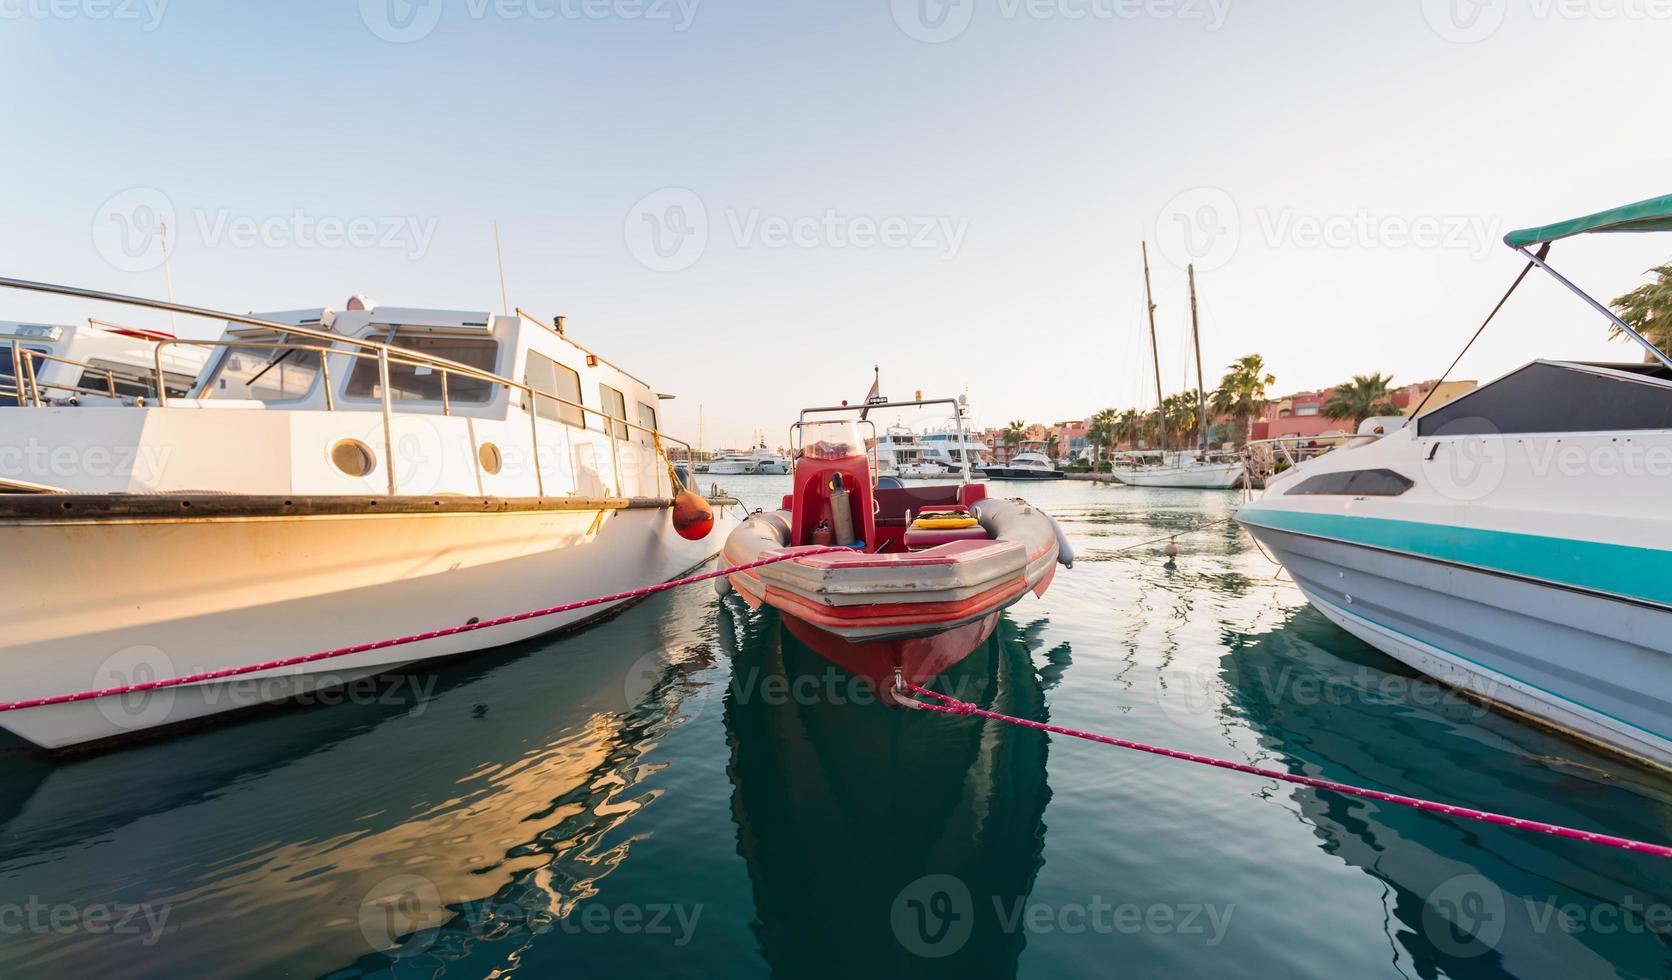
(329, 344)
(27, 387)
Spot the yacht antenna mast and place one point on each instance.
(499, 254)
(1155, 352)
(168, 277)
(1201, 380)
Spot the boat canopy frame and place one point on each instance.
(1654, 214)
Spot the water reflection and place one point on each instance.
(1462, 899)
(434, 830)
(885, 842)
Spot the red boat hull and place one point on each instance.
(920, 658)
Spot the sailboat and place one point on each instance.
(1197, 469)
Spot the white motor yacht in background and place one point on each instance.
(1515, 541)
(731, 462)
(1025, 466)
(338, 477)
(900, 454)
(959, 455)
(62, 364)
(770, 462)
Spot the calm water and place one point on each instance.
(687, 790)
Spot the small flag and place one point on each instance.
(874, 396)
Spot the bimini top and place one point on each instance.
(1654, 214)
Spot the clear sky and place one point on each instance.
(750, 202)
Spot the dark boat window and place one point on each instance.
(1552, 397)
(1354, 483)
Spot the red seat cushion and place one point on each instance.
(917, 539)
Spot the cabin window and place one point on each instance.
(8, 386)
(647, 417)
(131, 382)
(615, 405)
(422, 382)
(263, 374)
(546, 375)
(1354, 483)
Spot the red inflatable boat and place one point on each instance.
(930, 570)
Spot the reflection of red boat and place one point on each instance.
(930, 570)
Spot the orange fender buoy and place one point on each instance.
(692, 517)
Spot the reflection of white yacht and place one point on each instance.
(731, 462)
(769, 462)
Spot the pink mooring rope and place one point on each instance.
(953, 706)
(414, 638)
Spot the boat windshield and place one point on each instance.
(834, 439)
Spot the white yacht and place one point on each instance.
(1513, 542)
(1025, 466)
(900, 454)
(340, 476)
(956, 454)
(94, 364)
(1185, 470)
(731, 462)
(770, 462)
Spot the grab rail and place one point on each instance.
(26, 385)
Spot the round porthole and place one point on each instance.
(353, 457)
(492, 459)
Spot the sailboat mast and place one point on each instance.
(1155, 352)
(1201, 380)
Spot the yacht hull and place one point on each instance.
(1591, 665)
(1217, 477)
(135, 599)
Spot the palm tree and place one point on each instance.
(1102, 434)
(1359, 399)
(1648, 310)
(1182, 418)
(1014, 433)
(1050, 440)
(1242, 391)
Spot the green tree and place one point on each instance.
(1242, 391)
(1102, 433)
(1648, 310)
(1364, 396)
(1014, 433)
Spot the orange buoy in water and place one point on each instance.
(692, 517)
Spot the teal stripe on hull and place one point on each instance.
(1634, 573)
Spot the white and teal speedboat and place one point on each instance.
(1517, 541)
